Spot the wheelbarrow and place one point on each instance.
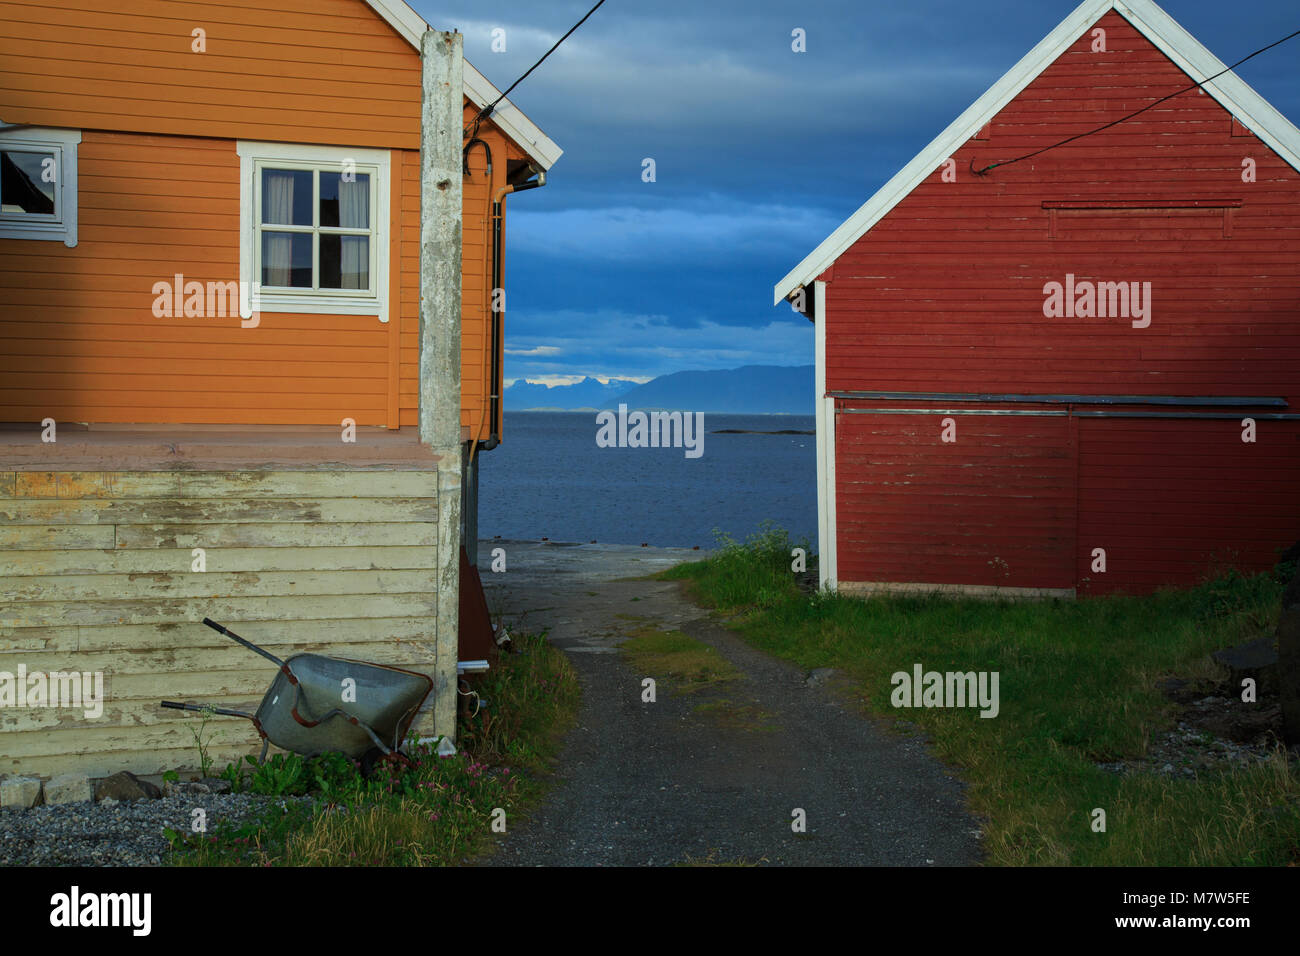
(318, 704)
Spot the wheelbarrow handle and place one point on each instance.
(177, 705)
(249, 644)
(339, 712)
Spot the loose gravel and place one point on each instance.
(1198, 744)
(116, 834)
(776, 766)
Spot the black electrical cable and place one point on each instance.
(1124, 119)
(487, 110)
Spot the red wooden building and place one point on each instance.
(1077, 372)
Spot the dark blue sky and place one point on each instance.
(760, 152)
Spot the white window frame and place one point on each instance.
(62, 226)
(253, 157)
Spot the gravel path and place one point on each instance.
(118, 834)
(665, 783)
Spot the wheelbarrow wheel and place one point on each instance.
(369, 759)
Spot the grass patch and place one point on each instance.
(428, 811)
(677, 661)
(740, 576)
(1078, 685)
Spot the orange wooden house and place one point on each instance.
(214, 359)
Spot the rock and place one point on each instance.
(1288, 666)
(69, 788)
(125, 786)
(216, 784)
(19, 792)
(1256, 659)
(1174, 688)
(172, 788)
(819, 676)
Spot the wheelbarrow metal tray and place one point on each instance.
(335, 700)
(317, 703)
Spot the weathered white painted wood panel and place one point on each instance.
(316, 534)
(224, 560)
(61, 537)
(46, 511)
(191, 584)
(96, 575)
(219, 607)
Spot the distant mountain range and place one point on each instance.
(589, 393)
(752, 389)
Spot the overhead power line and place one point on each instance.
(1125, 119)
(486, 111)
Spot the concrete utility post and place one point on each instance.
(440, 267)
(440, 239)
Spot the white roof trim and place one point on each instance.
(402, 19)
(1157, 26)
(511, 120)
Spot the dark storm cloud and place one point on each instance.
(760, 152)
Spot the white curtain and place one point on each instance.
(277, 263)
(354, 213)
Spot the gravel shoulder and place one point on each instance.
(115, 834)
(711, 778)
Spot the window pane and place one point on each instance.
(27, 182)
(286, 259)
(345, 204)
(344, 262)
(286, 196)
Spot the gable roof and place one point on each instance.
(481, 92)
(1232, 92)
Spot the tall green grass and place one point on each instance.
(1078, 685)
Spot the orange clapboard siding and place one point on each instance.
(301, 71)
(158, 195)
(81, 343)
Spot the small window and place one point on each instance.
(316, 229)
(313, 221)
(38, 184)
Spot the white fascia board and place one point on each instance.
(1157, 26)
(1232, 92)
(825, 447)
(401, 18)
(508, 117)
(511, 119)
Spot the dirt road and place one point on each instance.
(713, 776)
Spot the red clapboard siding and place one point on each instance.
(946, 294)
(995, 507)
(1174, 501)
